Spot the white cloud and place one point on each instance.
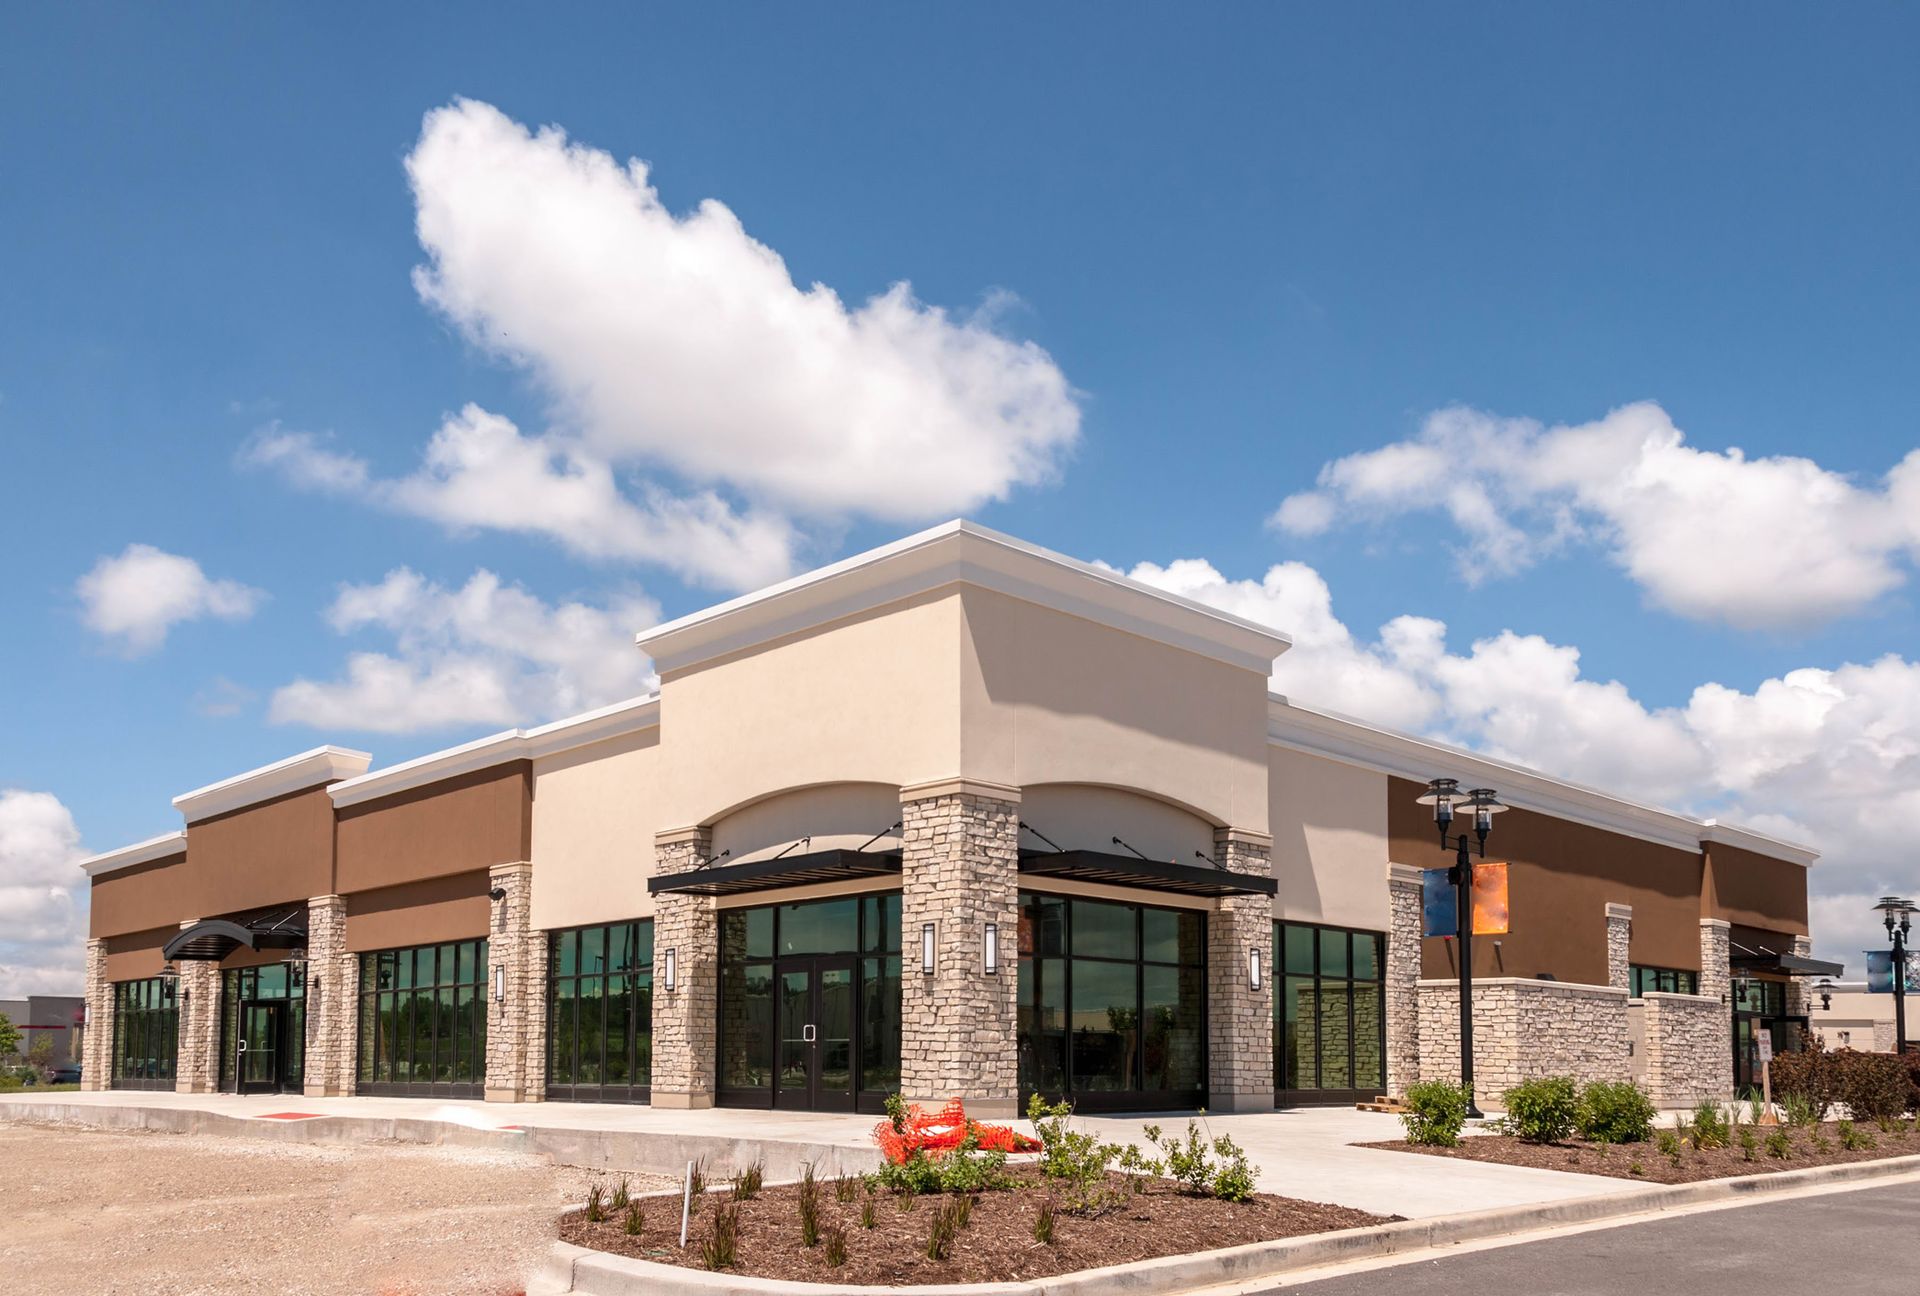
(1829, 757)
(42, 921)
(135, 598)
(1770, 542)
(485, 653)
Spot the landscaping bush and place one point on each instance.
(1615, 1111)
(1871, 1085)
(1436, 1113)
(1807, 1076)
(1912, 1058)
(1710, 1125)
(1542, 1110)
(1076, 1159)
(1189, 1165)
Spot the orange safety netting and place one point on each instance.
(937, 1133)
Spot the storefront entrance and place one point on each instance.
(814, 1023)
(262, 1047)
(263, 1028)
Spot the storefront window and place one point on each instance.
(1664, 980)
(1112, 1002)
(423, 1021)
(146, 1033)
(600, 1013)
(1766, 998)
(1329, 1023)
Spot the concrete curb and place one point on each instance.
(636, 1151)
(599, 1273)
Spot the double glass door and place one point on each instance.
(813, 1010)
(260, 1063)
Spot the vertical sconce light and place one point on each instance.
(993, 948)
(926, 948)
(671, 961)
(499, 983)
(1253, 967)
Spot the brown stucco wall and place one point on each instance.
(1750, 890)
(277, 852)
(133, 955)
(1560, 879)
(465, 823)
(419, 913)
(134, 899)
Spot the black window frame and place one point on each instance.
(146, 1020)
(574, 1090)
(1318, 1095)
(1643, 978)
(237, 984)
(369, 1057)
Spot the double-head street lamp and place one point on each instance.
(1444, 795)
(1898, 914)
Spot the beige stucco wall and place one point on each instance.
(1329, 840)
(1077, 816)
(595, 811)
(838, 816)
(1050, 698)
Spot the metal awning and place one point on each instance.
(785, 871)
(1145, 874)
(215, 938)
(1766, 960)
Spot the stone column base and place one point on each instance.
(96, 1042)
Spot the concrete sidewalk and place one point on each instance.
(1305, 1152)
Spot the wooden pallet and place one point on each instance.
(1391, 1106)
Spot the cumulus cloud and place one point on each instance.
(1715, 536)
(134, 599)
(42, 921)
(486, 653)
(1826, 756)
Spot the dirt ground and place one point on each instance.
(179, 1215)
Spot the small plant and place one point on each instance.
(1543, 1110)
(620, 1195)
(596, 1204)
(636, 1221)
(866, 1213)
(947, 1223)
(721, 1246)
(1852, 1138)
(748, 1183)
(1615, 1111)
(1779, 1145)
(1749, 1143)
(1710, 1129)
(1635, 1169)
(809, 1205)
(1889, 1125)
(1043, 1221)
(908, 1200)
(845, 1189)
(1436, 1113)
(1188, 1164)
(1078, 1161)
(836, 1248)
(1820, 1141)
(1800, 1109)
(1669, 1144)
(699, 1176)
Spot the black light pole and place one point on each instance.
(1443, 794)
(1899, 917)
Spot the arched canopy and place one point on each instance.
(214, 938)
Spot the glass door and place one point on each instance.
(260, 1047)
(814, 1025)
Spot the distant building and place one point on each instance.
(38, 1017)
(1846, 1016)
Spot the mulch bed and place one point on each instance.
(1645, 1161)
(997, 1246)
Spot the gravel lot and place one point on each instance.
(180, 1215)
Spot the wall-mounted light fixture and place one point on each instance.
(499, 983)
(671, 967)
(1253, 967)
(992, 950)
(926, 949)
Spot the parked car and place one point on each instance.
(68, 1074)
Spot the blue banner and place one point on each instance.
(1439, 909)
(1880, 972)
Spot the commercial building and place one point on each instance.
(53, 1023)
(955, 817)
(1845, 1014)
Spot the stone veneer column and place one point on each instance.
(1619, 940)
(960, 859)
(1716, 984)
(96, 1044)
(685, 1018)
(1240, 1074)
(1403, 977)
(509, 936)
(1797, 1001)
(333, 987)
(197, 1067)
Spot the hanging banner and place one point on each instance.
(1880, 973)
(1439, 911)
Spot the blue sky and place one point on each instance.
(1196, 261)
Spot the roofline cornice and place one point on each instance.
(960, 552)
(308, 769)
(630, 716)
(1358, 742)
(154, 848)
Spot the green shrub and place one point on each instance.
(1542, 1110)
(1806, 1078)
(1669, 1144)
(1749, 1143)
(1800, 1108)
(1436, 1113)
(1709, 1125)
(1190, 1164)
(1615, 1111)
(1779, 1145)
(1854, 1139)
(1870, 1085)
(1076, 1160)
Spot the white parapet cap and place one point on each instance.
(1359, 742)
(953, 553)
(630, 716)
(294, 774)
(153, 848)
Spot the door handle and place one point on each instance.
(243, 1046)
(807, 1034)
